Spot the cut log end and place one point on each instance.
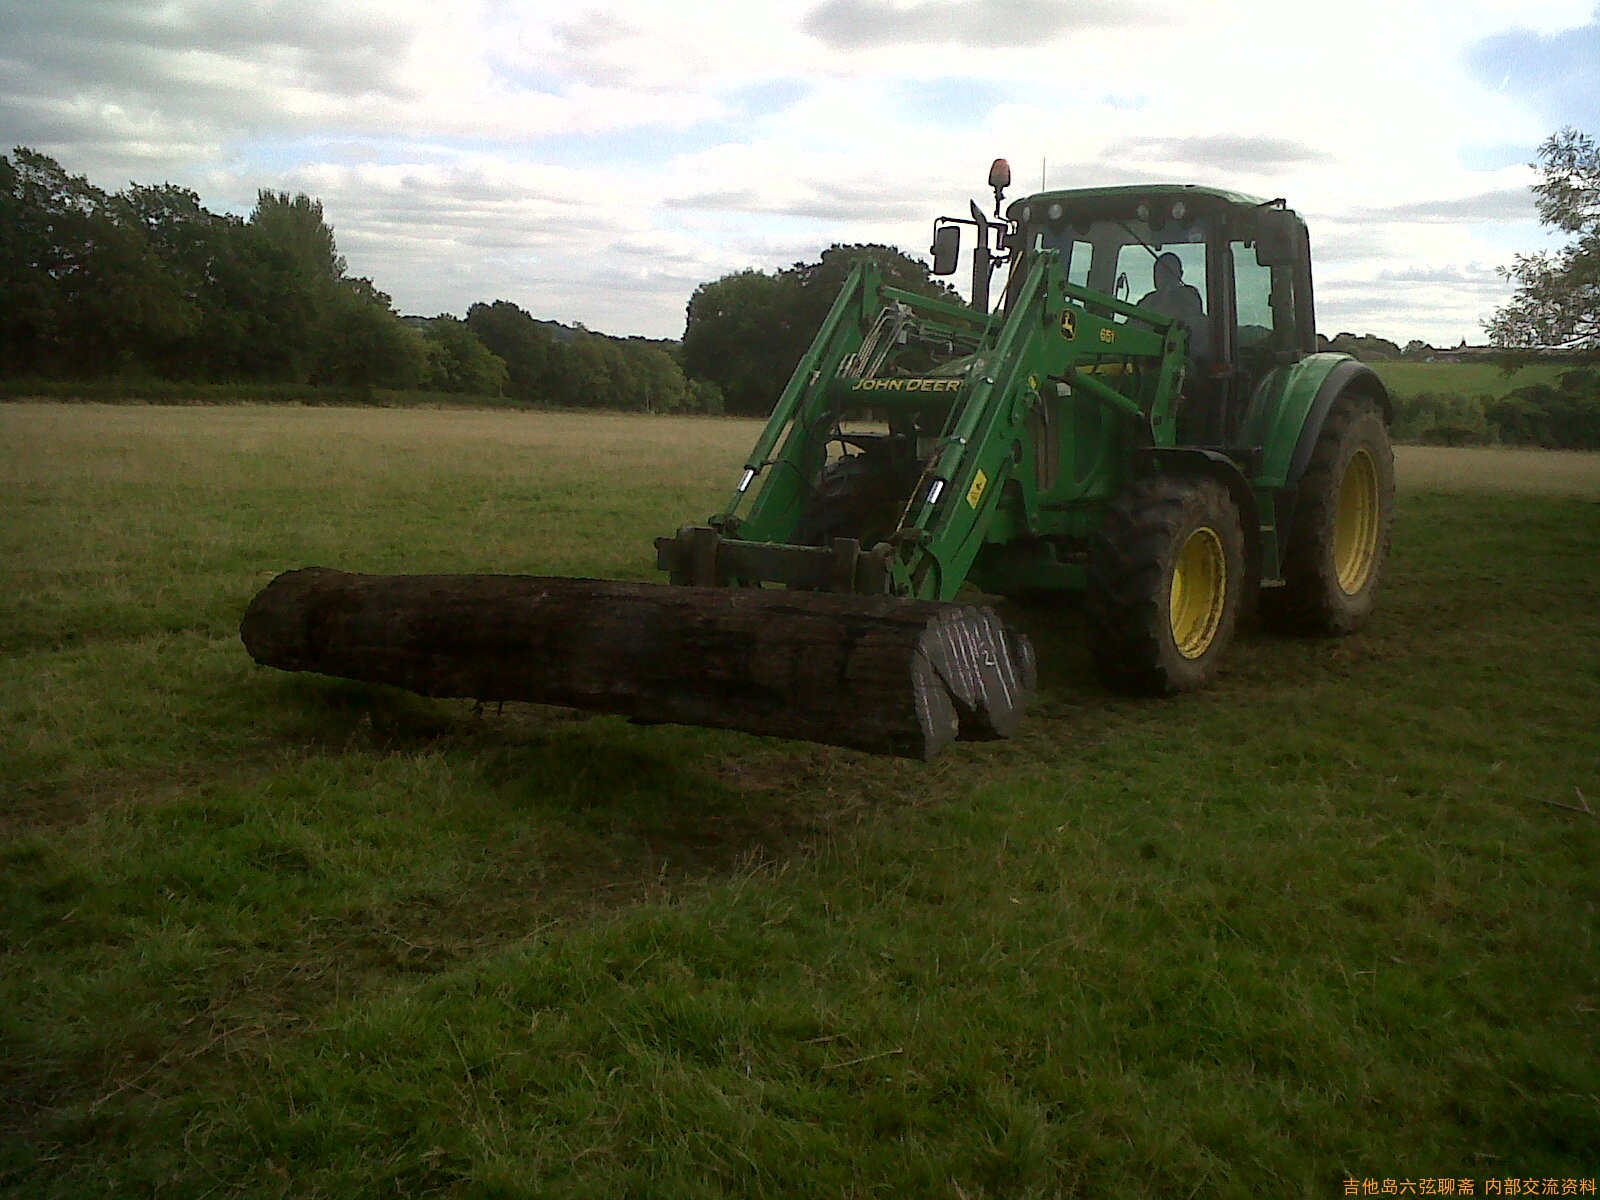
(885, 675)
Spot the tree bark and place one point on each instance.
(876, 673)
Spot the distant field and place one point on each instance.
(1464, 379)
(1503, 469)
(1333, 918)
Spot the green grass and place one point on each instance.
(277, 936)
(1462, 379)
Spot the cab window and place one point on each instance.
(1137, 264)
(1076, 253)
(1252, 290)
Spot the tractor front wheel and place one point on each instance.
(1339, 539)
(1166, 578)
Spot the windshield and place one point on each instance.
(1117, 255)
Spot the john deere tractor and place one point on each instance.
(1142, 418)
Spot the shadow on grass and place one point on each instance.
(1054, 623)
(622, 811)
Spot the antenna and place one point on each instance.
(1041, 174)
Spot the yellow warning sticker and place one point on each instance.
(1069, 324)
(975, 492)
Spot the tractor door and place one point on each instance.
(1267, 273)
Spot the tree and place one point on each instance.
(518, 341)
(293, 283)
(201, 253)
(741, 335)
(81, 290)
(459, 362)
(746, 331)
(27, 293)
(1365, 347)
(296, 226)
(361, 343)
(326, 326)
(1557, 300)
(820, 281)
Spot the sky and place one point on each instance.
(595, 162)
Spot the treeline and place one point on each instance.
(101, 291)
(147, 284)
(1564, 415)
(1370, 348)
(547, 363)
(126, 293)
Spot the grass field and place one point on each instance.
(1462, 379)
(273, 936)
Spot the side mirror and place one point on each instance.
(946, 249)
(1277, 237)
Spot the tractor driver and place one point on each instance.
(1175, 298)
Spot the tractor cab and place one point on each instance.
(1235, 269)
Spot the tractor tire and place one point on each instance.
(854, 497)
(1339, 537)
(1166, 585)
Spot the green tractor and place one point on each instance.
(1172, 459)
(1142, 419)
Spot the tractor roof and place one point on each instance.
(1074, 197)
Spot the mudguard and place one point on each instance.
(1286, 419)
(1286, 415)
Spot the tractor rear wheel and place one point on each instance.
(1339, 538)
(1166, 580)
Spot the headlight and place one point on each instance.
(1054, 211)
(1178, 210)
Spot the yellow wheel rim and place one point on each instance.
(1199, 592)
(1355, 524)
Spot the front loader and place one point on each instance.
(1072, 441)
(1173, 460)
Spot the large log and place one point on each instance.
(887, 675)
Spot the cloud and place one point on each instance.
(594, 31)
(832, 204)
(1555, 70)
(863, 24)
(1502, 204)
(230, 58)
(178, 81)
(563, 244)
(1474, 275)
(1449, 277)
(1228, 152)
(595, 161)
